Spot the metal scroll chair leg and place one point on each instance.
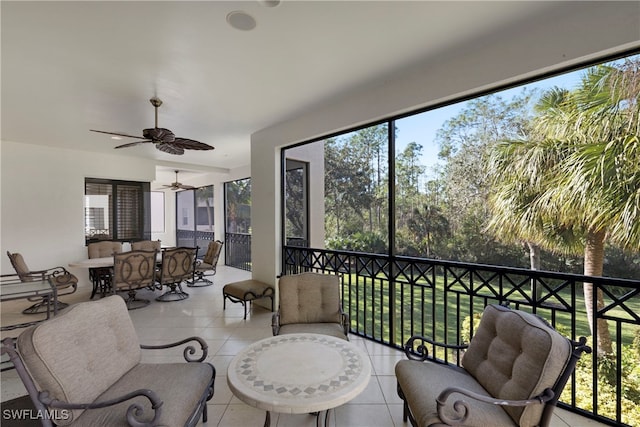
(199, 280)
(175, 293)
(42, 307)
(135, 303)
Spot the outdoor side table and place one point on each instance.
(299, 374)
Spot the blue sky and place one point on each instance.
(422, 128)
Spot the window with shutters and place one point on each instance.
(116, 210)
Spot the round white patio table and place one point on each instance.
(298, 374)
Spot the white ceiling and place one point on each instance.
(68, 67)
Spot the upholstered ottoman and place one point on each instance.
(247, 291)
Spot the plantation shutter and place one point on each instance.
(128, 212)
(116, 210)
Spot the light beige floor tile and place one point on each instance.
(389, 387)
(304, 420)
(372, 394)
(241, 415)
(353, 415)
(385, 365)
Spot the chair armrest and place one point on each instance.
(134, 412)
(41, 274)
(421, 352)
(275, 323)
(188, 351)
(462, 409)
(53, 271)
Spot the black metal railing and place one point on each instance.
(193, 238)
(238, 250)
(390, 298)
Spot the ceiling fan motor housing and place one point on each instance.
(159, 135)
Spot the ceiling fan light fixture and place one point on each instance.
(241, 20)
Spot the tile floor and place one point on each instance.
(226, 332)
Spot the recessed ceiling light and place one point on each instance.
(116, 137)
(269, 3)
(241, 20)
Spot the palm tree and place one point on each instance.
(575, 183)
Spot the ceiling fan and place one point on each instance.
(178, 185)
(164, 139)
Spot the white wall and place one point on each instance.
(42, 196)
(42, 192)
(577, 32)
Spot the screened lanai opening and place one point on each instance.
(194, 218)
(527, 196)
(237, 208)
(436, 183)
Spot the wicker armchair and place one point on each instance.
(310, 302)
(65, 282)
(512, 374)
(83, 368)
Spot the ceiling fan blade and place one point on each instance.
(190, 144)
(131, 144)
(169, 148)
(163, 138)
(117, 134)
(186, 187)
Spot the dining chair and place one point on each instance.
(177, 266)
(146, 245)
(310, 302)
(206, 267)
(132, 271)
(65, 282)
(101, 277)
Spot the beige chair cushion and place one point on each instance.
(146, 245)
(17, 260)
(213, 251)
(77, 361)
(309, 298)
(514, 355)
(103, 249)
(179, 385)
(422, 382)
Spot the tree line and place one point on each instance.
(546, 179)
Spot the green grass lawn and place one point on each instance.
(427, 309)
